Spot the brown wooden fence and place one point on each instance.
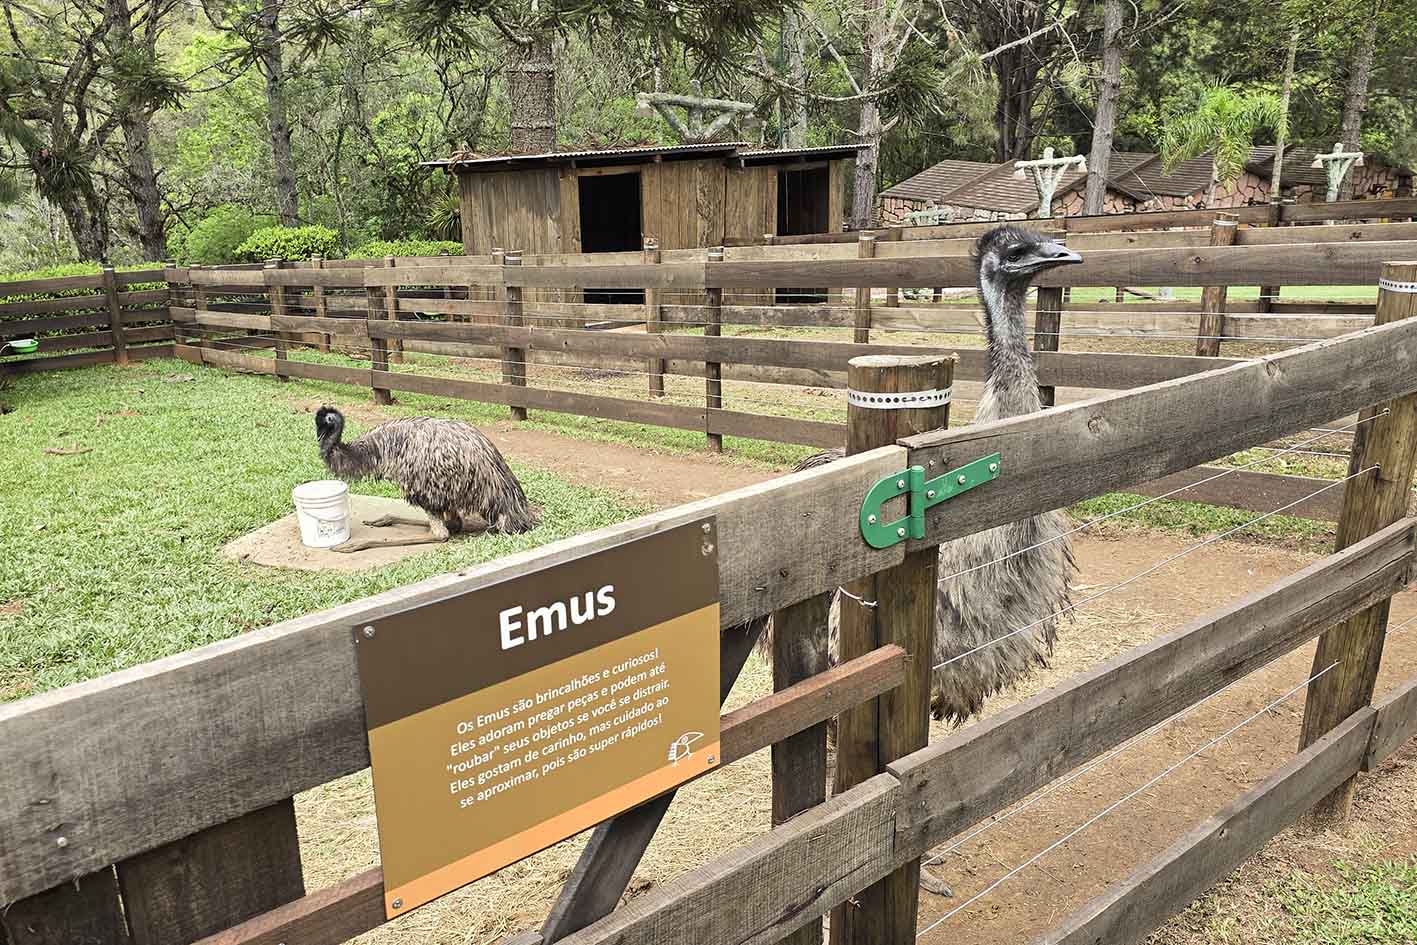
(99, 316)
(186, 828)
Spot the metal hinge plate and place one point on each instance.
(921, 494)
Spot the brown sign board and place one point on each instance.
(505, 719)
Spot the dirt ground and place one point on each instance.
(727, 809)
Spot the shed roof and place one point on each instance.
(937, 180)
(469, 163)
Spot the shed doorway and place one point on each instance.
(803, 201)
(610, 223)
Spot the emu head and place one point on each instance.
(1008, 257)
(329, 426)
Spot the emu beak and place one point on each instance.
(1048, 255)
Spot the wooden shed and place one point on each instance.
(684, 196)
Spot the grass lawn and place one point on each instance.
(111, 555)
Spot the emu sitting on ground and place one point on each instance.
(1013, 577)
(444, 467)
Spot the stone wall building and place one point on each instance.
(964, 191)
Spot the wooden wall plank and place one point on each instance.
(1129, 911)
(960, 780)
(201, 884)
(1396, 725)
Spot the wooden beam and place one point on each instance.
(1395, 726)
(962, 779)
(85, 911)
(1129, 911)
(1053, 459)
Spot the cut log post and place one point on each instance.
(1212, 325)
(514, 359)
(713, 370)
(1047, 324)
(1370, 503)
(799, 762)
(893, 606)
(865, 249)
(115, 317)
(277, 296)
(653, 324)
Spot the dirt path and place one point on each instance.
(726, 810)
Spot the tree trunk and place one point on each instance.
(1355, 98)
(87, 227)
(140, 176)
(1214, 180)
(794, 119)
(531, 93)
(1282, 133)
(283, 159)
(1099, 159)
(869, 132)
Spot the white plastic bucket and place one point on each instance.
(322, 509)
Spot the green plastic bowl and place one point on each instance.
(24, 345)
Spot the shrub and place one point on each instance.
(289, 242)
(215, 238)
(69, 269)
(407, 246)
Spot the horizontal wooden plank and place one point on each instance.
(772, 885)
(484, 391)
(102, 339)
(59, 362)
(454, 274)
(46, 306)
(329, 326)
(56, 284)
(144, 297)
(236, 361)
(1052, 459)
(962, 779)
(1350, 210)
(777, 429)
(643, 275)
(1360, 232)
(1249, 490)
(138, 276)
(1129, 911)
(1396, 725)
(359, 377)
(227, 277)
(454, 306)
(248, 721)
(332, 278)
(355, 906)
(29, 327)
(789, 316)
(613, 408)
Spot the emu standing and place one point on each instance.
(1013, 577)
(447, 468)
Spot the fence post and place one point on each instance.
(653, 321)
(893, 606)
(514, 359)
(865, 249)
(1370, 503)
(713, 370)
(115, 317)
(893, 291)
(277, 294)
(199, 304)
(1047, 328)
(391, 312)
(1212, 327)
(318, 298)
(1269, 293)
(799, 762)
(379, 298)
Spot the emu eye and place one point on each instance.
(1016, 253)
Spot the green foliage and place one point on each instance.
(407, 246)
(1225, 121)
(215, 238)
(61, 270)
(289, 242)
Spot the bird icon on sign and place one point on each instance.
(679, 748)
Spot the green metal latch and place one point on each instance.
(922, 493)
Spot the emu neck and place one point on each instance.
(346, 461)
(1011, 387)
